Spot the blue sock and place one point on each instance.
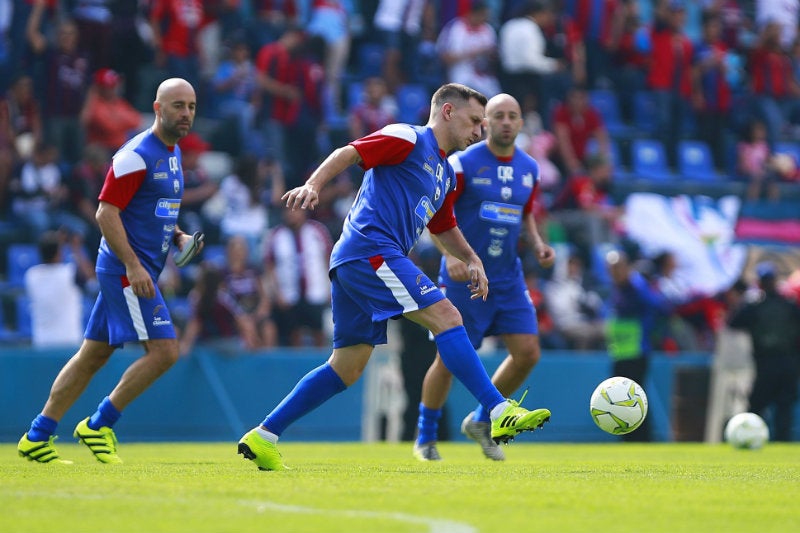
(481, 415)
(428, 424)
(316, 387)
(106, 415)
(462, 360)
(42, 428)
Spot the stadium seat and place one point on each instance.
(790, 148)
(370, 60)
(412, 101)
(355, 94)
(695, 161)
(649, 160)
(19, 258)
(620, 172)
(644, 112)
(606, 103)
(24, 320)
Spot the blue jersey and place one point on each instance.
(405, 184)
(491, 199)
(145, 182)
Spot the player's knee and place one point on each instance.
(528, 358)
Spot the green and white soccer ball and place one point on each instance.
(746, 431)
(618, 405)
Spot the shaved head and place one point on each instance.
(174, 107)
(504, 122)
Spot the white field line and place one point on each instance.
(433, 525)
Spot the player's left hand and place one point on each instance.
(478, 282)
(303, 197)
(546, 256)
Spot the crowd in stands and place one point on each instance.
(281, 82)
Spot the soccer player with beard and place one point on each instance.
(138, 214)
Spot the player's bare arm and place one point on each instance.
(456, 269)
(456, 245)
(114, 232)
(307, 195)
(545, 254)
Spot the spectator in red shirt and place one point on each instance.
(575, 124)
(775, 90)
(175, 25)
(107, 117)
(584, 208)
(290, 89)
(711, 93)
(670, 74)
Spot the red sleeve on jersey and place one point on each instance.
(445, 217)
(379, 149)
(118, 191)
(529, 208)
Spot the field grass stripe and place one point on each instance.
(434, 525)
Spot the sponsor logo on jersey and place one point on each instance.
(425, 210)
(425, 289)
(527, 180)
(159, 321)
(160, 175)
(498, 232)
(481, 181)
(168, 207)
(428, 168)
(503, 213)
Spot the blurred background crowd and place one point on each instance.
(619, 97)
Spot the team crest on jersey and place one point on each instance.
(495, 248)
(176, 185)
(505, 193)
(505, 173)
(527, 180)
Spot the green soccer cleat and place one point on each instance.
(102, 442)
(427, 452)
(481, 432)
(40, 451)
(261, 451)
(515, 419)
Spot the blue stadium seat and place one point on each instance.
(616, 157)
(644, 112)
(24, 320)
(649, 160)
(788, 147)
(412, 101)
(606, 103)
(19, 258)
(370, 59)
(695, 161)
(355, 94)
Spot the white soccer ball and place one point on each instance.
(618, 405)
(746, 431)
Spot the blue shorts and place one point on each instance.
(365, 293)
(118, 316)
(507, 309)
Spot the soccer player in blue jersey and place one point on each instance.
(137, 215)
(373, 279)
(492, 204)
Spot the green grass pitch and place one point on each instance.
(358, 487)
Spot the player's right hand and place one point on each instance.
(303, 197)
(141, 282)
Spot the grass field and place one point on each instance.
(358, 487)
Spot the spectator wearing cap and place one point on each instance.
(772, 322)
(107, 117)
(198, 187)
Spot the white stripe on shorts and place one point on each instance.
(399, 290)
(135, 312)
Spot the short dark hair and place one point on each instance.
(49, 244)
(456, 93)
